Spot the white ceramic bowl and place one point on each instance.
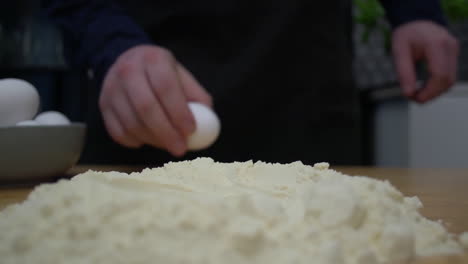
(33, 153)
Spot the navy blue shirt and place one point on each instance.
(98, 31)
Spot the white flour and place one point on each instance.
(203, 212)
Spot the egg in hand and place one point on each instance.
(207, 128)
(19, 101)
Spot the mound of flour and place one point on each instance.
(220, 213)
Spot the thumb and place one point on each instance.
(192, 88)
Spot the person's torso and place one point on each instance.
(275, 68)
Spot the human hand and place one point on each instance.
(422, 40)
(144, 100)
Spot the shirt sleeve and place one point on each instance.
(403, 11)
(96, 32)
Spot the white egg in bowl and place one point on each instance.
(19, 101)
(52, 118)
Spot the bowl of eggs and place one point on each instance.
(34, 146)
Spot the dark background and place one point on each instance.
(31, 49)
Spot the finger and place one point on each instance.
(117, 132)
(193, 90)
(404, 63)
(131, 123)
(167, 87)
(150, 111)
(440, 76)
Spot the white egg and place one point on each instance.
(28, 123)
(19, 101)
(52, 118)
(207, 129)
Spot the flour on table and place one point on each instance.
(204, 212)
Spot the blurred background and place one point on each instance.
(395, 132)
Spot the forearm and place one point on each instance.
(96, 32)
(403, 11)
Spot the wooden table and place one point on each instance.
(444, 192)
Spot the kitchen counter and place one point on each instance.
(444, 192)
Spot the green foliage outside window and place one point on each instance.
(370, 14)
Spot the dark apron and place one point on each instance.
(280, 73)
